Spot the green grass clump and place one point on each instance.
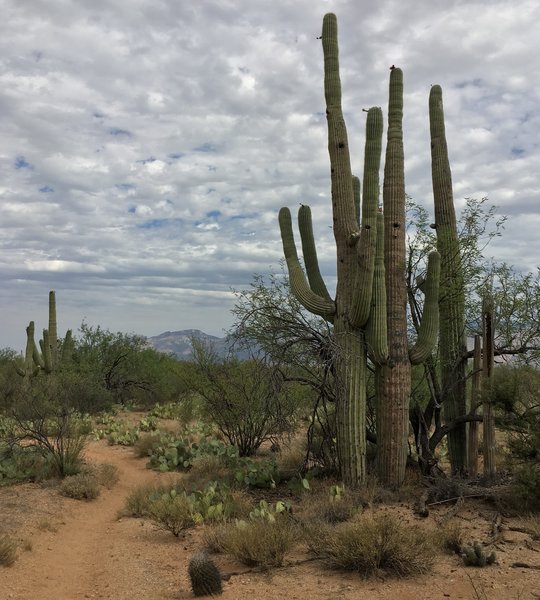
(373, 546)
(8, 550)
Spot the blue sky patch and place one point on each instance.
(206, 147)
(175, 155)
(213, 214)
(46, 189)
(117, 131)
(22, 163)
(150, 159)
(132, 210)
(518, 152)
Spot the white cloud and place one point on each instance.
(146, 148)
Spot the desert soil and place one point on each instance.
(71, 550)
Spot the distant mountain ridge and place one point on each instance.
(179, 343)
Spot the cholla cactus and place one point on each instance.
(476, 556)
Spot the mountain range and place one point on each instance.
(179, 343)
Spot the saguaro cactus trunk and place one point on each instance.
(393, 376)
(355, 247)
(453, 344)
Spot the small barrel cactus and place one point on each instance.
(204, 575)
(476, 556)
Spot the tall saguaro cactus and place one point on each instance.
(355, 247)
(393, 375)
(453, 344)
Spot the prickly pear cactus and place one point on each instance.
(204, 575)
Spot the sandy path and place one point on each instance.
(94, 554)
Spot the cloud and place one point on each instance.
(147, 147)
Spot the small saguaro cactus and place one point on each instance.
(31, 366)
(204, 575)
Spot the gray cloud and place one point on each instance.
(145, 148)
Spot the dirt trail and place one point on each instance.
(93, 554)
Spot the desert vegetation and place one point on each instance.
(359, 426)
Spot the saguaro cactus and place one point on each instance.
(393, 375)
(453, 344)
(355, 248)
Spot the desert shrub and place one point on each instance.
(172, 511)
(531, 524)
(19, 463)
(86, 484)
(524, 493)
(83, 486)
(139, 500)
(176, 509)
(106, 474)
(147, 443)
(451, 537)
(370, 546)
(258, 542)
(330, 510)
(248, 400)
(8, 550)
(256, 473)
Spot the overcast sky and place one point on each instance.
(147, 146)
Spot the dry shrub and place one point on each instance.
(148, 441)
(107, 475)
(373, 545)
(260, 542)
(450, 537)
(291, 459)
(206, 468)
(327, 509)
(8, 550)
(172, 512)
(139, 500)
(531, 524)
(83, 486)
(213, 538)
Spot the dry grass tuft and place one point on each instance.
(373, 545)
(260, 542)
(8, 550)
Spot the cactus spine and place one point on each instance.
(355, 246)
(453, 346)
(393, 375)
(204, 575)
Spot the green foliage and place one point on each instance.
(8, 550)
(371, 546)
(256, 473)
(19, 463)
(176, 510)
(44, 417)
(270, 512)
(248, 400)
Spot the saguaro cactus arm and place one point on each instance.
(376, 328)
(363, 286)
(429, 325)
(309, 251)
(306, 296)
